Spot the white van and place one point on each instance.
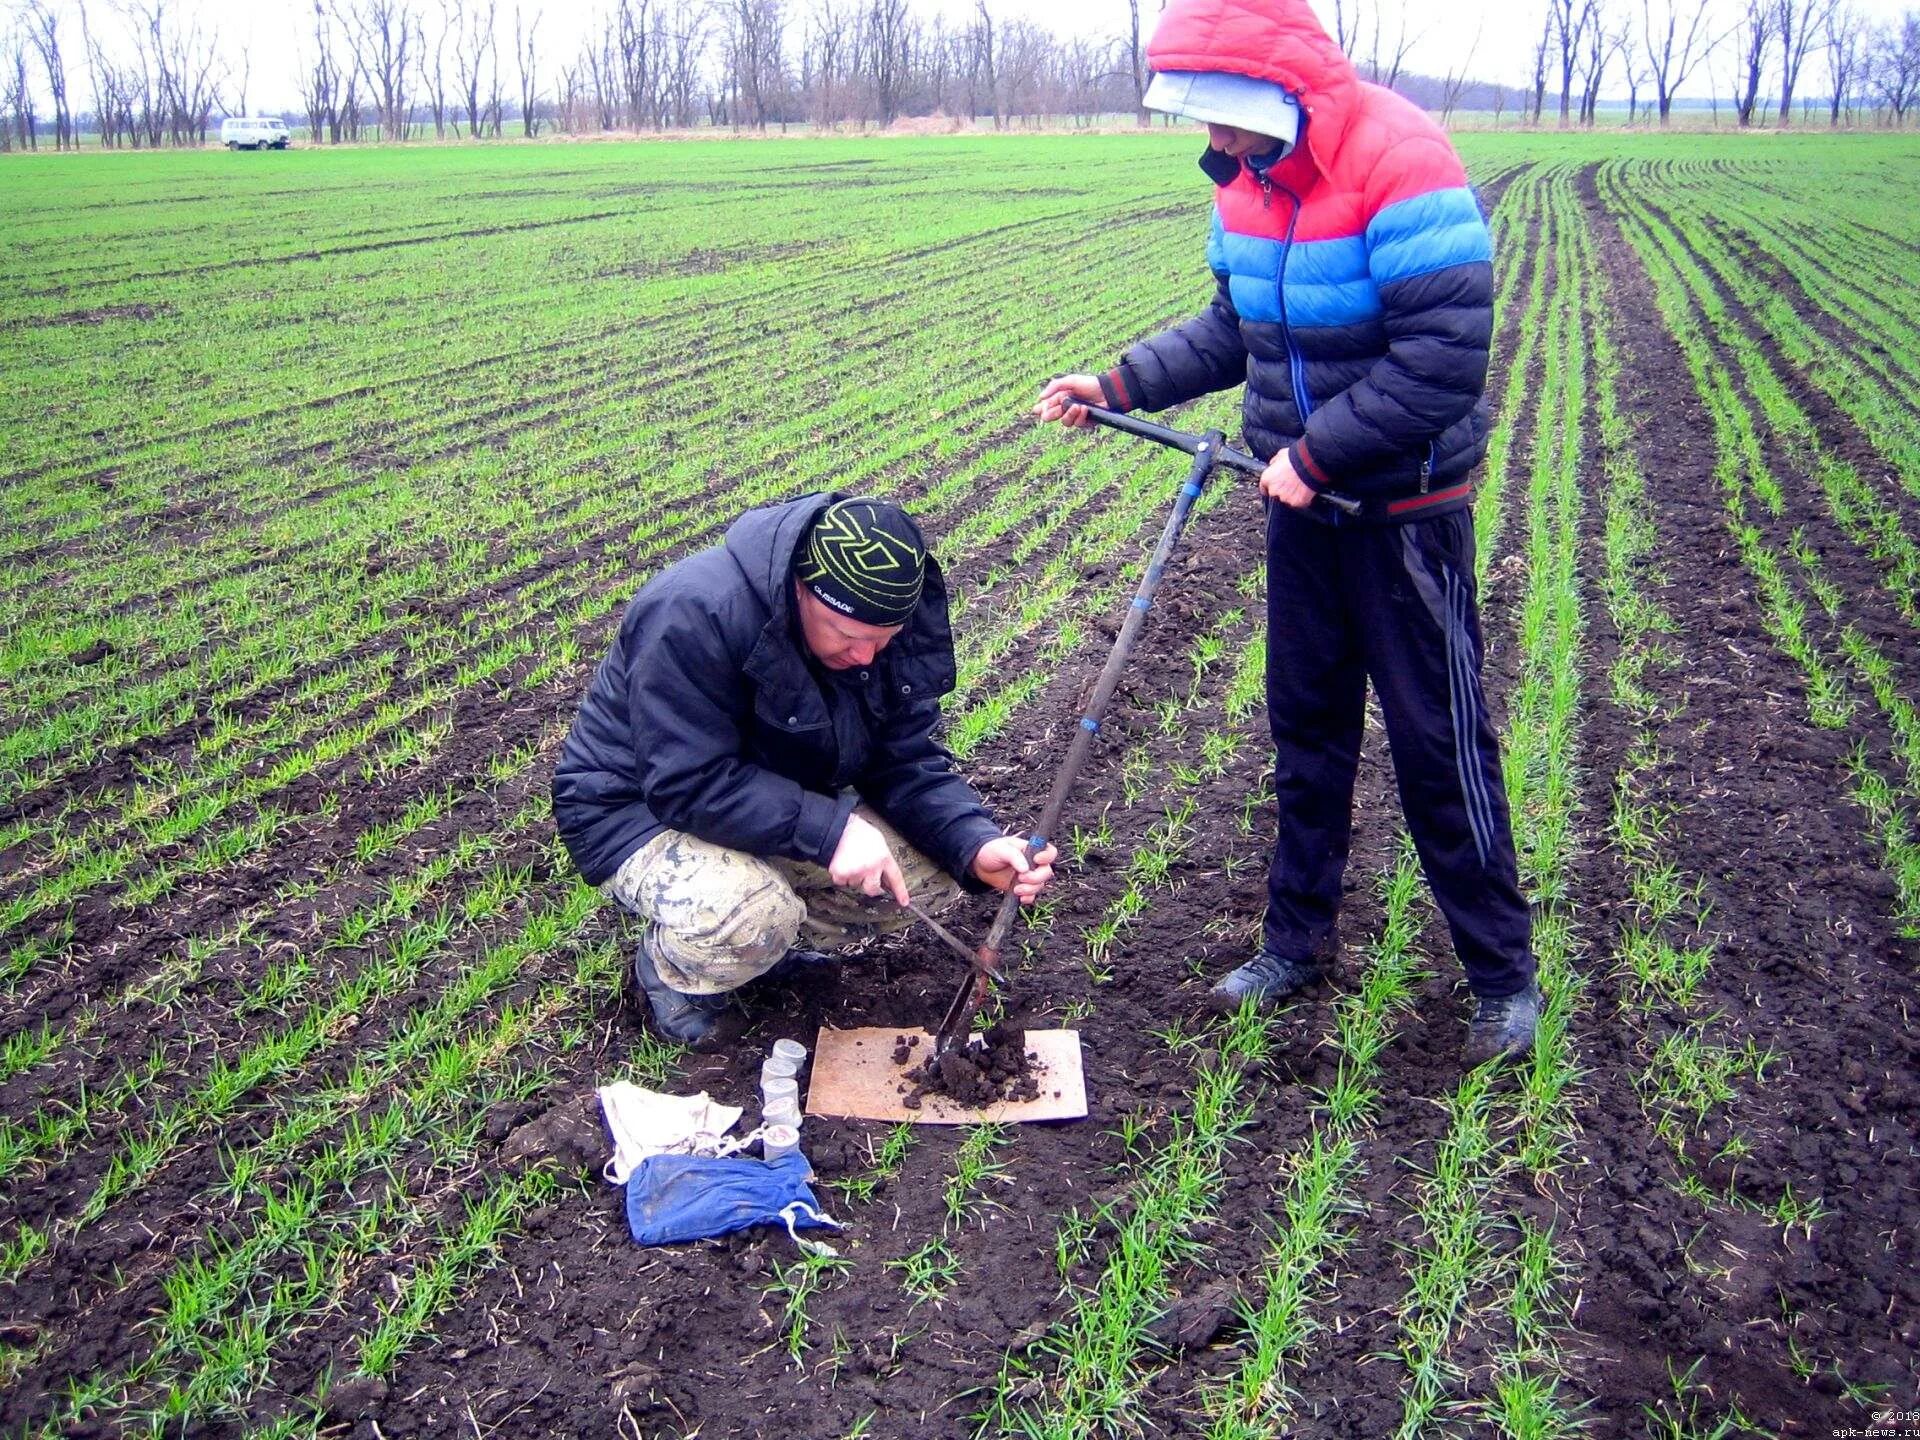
(254, 133)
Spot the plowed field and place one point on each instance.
(326, 477)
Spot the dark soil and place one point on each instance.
(102, 314)
(997, 1066)
(567, 1329)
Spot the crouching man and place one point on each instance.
(754, 770)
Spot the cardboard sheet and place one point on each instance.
(854, 1076)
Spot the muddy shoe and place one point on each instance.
(1266, 978)
(690, 1019)
(1502, 1028)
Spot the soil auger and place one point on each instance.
(1209, 451)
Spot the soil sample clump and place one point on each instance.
(981, 1072)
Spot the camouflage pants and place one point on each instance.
(720, 917)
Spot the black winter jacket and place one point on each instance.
(706, 717)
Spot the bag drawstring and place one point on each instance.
(818, 1247)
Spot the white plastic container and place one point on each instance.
(779, 1140)
(791, 1051)
(782, 1111)
(775, 1090)
(783, 1062)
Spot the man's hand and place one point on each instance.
(862, 861)
(1003, 864)
(1280, 481)
(1066, 400)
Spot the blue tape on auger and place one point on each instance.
(1140, 604)
(1089, 724)
(1038, 842)
(1190, 490)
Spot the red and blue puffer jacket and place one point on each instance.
(1355, 293)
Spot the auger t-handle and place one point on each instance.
(1183, 440)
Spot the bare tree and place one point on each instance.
(1386, 59)
(936, 64)
(241, 86)
(1637, 74)
(1022, 63)
(167, 87)
(755, 64)
(104, 76)
(1456, 81)
(1572, 20)
(1799, 23)
(529, 82)
(1602, 46)
(631, 63)
(18, 127)
(684, 39)
(888, 48)
(1846, 60)
(496, 106)
(1895, 65)
(829, 28)
(1540, 52)
(471, 44)
(1137, 65)
(1677, 39)
(433, 63)
(158, 74)
(1757, 31)
(1346, 25)
(42, 24)
(987, 60)
(328, 93)
(381, 34)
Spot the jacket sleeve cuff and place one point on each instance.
(965, 843)
(822, 818)
(1117, 385)
(1305, 467)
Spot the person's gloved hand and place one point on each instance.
(1003, 864)
(1058, 397)
(862, 861)
(1280, 481)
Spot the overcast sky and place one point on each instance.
(1499, 34)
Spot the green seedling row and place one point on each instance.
(1460, 1255)
(1664, 950)
(1745, 475)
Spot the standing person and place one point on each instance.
(1354, 299)
(754, 765)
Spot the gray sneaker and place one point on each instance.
(690, 1019)
(1502, 1028)
(1265, 978)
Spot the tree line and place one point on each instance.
(152, 73)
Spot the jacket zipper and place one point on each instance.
(1296, 366)
(1426, 470)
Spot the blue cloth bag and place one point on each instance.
(671, 1198)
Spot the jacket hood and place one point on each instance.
(1281, 41)
(762, 544)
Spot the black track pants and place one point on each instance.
(1395, 603)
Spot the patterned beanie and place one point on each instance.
(865, 559)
